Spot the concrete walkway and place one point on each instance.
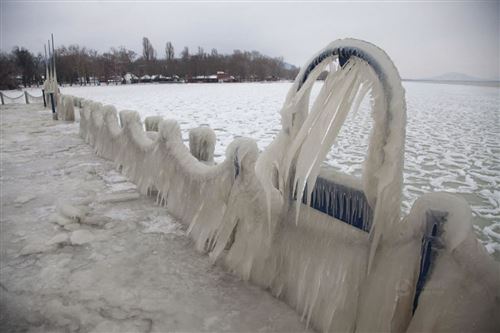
(82, 251)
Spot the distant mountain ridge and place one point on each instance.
(459, 78)
(455, 76)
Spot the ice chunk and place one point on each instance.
(58, 239)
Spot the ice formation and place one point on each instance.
(25, 97)
(151, 123)
(202, 143)
(66, 109)
(332, 246)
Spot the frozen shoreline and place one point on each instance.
(122, 263)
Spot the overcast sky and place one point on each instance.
(424, 39)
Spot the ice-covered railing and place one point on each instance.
(193, 190)
(411, 274)
(66, 106)
(25, 97)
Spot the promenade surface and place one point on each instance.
(82, 251)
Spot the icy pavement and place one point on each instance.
(82, 251)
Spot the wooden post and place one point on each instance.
(54, 114)
(1, 97)
(44, 101)
(26, 97)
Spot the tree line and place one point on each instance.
(76, 64)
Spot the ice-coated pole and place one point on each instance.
(49, 61)
(54, 114)
(46, 76)
(54, 56)
(49, 71)
(46, 65)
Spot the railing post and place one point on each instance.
(26, 97)
(54, 114)
(44, 101)
(1, 97)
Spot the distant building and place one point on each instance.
(130, 78)
(165, 79)
(115, 80)
(19, 80)
(253, 78)
(146, 78)
(224, 77)
(200, 79)
(272, 78)
(213, 78)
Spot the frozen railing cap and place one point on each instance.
(127, 116)
(110, 112)
(169, 131)
(243, 152)
(455, 268)
(66, 109)
(151, 123)
(344, 49)
(202, 143)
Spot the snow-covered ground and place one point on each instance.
(452, 141)
(82, 251)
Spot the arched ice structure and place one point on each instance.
(333, 247)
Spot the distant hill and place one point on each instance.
(453, 76)
(288, 66)
(458, 78)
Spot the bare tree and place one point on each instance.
(201, 52)
(8, 71)
(169, 51)
(148, 52)
(77, 64)
(26, 63)
(122, 59)
(185, 53)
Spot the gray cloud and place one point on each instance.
(423, 38)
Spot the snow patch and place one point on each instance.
(162, 225)
(80, 237)
(23, 199)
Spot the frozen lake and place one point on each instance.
(452, 142)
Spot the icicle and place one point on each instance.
(308, 150)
